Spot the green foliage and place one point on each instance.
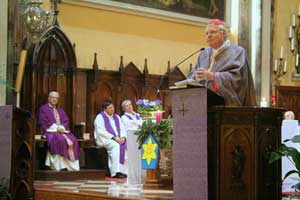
(3, 81)
(4, 185)
(291, 153)
(162, 132)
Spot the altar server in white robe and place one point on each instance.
(110, 133)
(132, 121)
(289, 129)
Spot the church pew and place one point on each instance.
(93, 163)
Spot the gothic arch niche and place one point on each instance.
(132, 84)
(130, 92)
(52, 67)
(151, 93)
(103, 91)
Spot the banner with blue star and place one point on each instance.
(149, 151)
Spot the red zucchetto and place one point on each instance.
(216, 22)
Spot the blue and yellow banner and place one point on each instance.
(150, 151)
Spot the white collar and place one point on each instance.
(52, 106)
(133, 113)
(222, 47)
(110, 116)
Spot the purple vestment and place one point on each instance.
(136, 116)
(56, 142)
(232, 75)
(111, 131)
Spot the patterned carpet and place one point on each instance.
(116, 188)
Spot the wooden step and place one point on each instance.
(83, 174)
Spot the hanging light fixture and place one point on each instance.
(36, 18)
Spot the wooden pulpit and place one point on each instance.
(222, 152)
(16, 150)
(190, 172)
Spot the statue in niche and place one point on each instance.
(238, 165)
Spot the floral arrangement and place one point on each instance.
(162, 132)
(146, 107)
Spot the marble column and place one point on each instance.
(3, 49)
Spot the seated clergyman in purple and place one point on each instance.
(63, 149)
(110, 133)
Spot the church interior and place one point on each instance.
(93, 50)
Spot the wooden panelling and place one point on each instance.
(288, 97)
(127, 83)
(240, 142)
(80, 103)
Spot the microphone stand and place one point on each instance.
(188, 57)
(163, 77)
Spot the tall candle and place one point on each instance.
(275, 66)
(285, 65)
(290, 32)
(21, 69)
(297, 60)
(294, 20)
(158, 116)
(292, 44)
(263, 102)
(281, 52)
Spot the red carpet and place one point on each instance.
(289, 193)
(121, 180)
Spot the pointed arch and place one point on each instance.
(52, 68)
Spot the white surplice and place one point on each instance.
(134, 156)
(289, 129)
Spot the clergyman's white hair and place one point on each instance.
(124, 103)
(53, 94)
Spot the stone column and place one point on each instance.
(3, 49)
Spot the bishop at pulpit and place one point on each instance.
(222, 152)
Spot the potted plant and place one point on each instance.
(4, 191)
(293, 156)
(162, 132)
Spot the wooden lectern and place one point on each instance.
(190, 171)
(222, 152)
(16, 150)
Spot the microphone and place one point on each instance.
(163, 77)
(188, 57)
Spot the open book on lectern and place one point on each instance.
(187, 83)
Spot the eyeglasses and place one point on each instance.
(213, 32)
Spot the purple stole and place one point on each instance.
(111, 131)
(136, 116)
